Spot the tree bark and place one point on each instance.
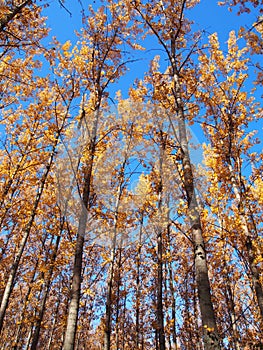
(172, 291)
(70, 334)
(160, 317)
(118, 295)
(138, 327)
(17, 344)
(248, 242)
(160, 314)
(108, 315)
(48, 281)
(14, 268)
(211, 337)
(55, 317)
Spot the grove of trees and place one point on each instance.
(114, 236)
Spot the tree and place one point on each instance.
(98, 63)
(171, 35)
(226, 126)
(112, 234)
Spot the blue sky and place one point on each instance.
(207, 16)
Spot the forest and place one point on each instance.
(131, 194)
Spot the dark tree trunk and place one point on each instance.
(12, 275)
(48, 281)
(70, 334)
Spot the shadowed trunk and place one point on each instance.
(160, 228)
(211, 337)
(172, 291)
(48, 281)
(72, 319)
(13, 271)
(248, 242)
(172, 47)
(138, 327)
(108, 320)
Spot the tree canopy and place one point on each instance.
(131, 196)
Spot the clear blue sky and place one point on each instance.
(207, 16)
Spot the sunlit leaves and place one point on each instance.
(61, 115)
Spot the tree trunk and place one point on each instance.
(70, 334)
(232, 314)
(211, 337)
(248, 244)
(108, 320)
(55, 317)
(255, 275)
(17, 344)
(160, 315)
(48, 281)
(14, 268)
(118, 295)
(138, 287)
(172, 291)
(123, 323)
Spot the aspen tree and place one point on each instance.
(171, 35)
(231, 117)
(98, 63)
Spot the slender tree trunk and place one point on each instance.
(187, 310)
(232, 314)
(211, 337)
(31, 327)
(248, 244)
(160, 314)
(124, 332)
(160, 317)
(48, 281)
(70, 334)
(255, 275)
(166, 297)
(138, 327)
(55, 317)
(14, 268)
(26, 347)
(229, 295)
(18, 331)
(118, 297)
(66, 306)
(108, 320)
(108, 316)
(172, 291)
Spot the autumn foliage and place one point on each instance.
(119, 229)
